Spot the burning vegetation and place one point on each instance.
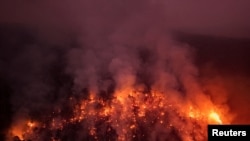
(128, 115)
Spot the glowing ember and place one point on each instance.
(31, 124)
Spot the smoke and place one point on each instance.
(102, 48)
(144, 60)
(224, 18)
(224, 74)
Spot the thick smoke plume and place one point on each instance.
(116, 49)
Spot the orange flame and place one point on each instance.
(125, 111)
(215, 117)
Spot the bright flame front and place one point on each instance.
(128, 116)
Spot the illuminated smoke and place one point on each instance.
(125, 79)
(147, 89)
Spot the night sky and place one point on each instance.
(37, 39)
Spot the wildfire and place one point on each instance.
(126, 114)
